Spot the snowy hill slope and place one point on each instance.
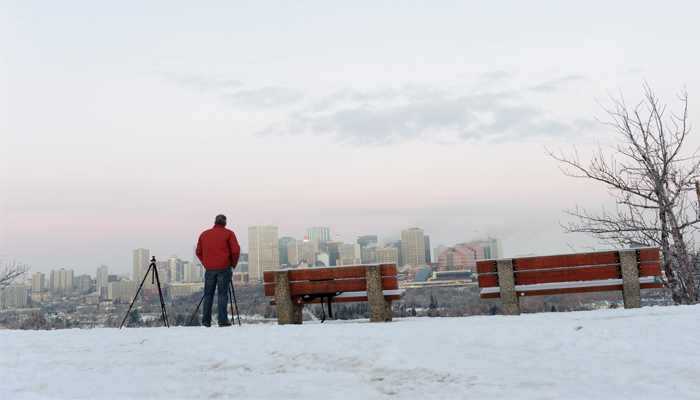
(645, 353)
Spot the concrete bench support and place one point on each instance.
(630, 279)
(506, 282)
(287, 311)
(379, 307)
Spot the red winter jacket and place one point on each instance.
(218, 248)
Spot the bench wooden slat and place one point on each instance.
(320, 273)
(353, 297)
(569, 274)
(570, 287)
(568, 260)
(344, 285)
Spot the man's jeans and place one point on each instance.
(212, 279)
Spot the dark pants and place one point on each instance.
(214, 278)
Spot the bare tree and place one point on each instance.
(10, 272)
(654, 186)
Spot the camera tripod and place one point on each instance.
(232, 299)
(154, 280)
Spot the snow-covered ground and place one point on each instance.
(646, 353)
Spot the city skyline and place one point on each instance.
(116, 138)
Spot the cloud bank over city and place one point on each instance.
(128, 126)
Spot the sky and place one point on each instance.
(126, 125)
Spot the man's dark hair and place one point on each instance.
(220, 219)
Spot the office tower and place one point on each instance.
(102, 274)
(263, 251)
(282, 248)
(426, 240)
(83, 283)
(192, 272)
(162, 267)
(493, 248)
(333, 251)
(438, 249)
(350, 254)
(13, 295)
(461, 256)
(61, 281)
(38, 282)
(302, 251)
(366, 241)
(243, 263)
(141, 262)
(413, 247)
(320, 234)
(399, 249)
(122, 291)
(176, 270)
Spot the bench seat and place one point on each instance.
(350, 297)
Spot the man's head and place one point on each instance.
(220, 220)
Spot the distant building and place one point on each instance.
(460, 257)
(493, 248)
(61, 281)
(176, 269)
(436, 253)
(13, 295)
(38, 282)
(367, 241)
(349, 251)
(426, 240)
(263, 251)
(301, 251)
(320, 234)
(141, 264)
(333, 251)
(413, 247)
(184, 289)
(374, 255)
(282, 245)
(102, 274)
(323, 258)
(122, 291)
(193, 273)
(83, 283)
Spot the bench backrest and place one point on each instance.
(330, 279)
(598, 265)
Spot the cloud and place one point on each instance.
(558, 84)
(265, 97)
(421, 113)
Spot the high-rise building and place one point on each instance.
(83, 283)
(461, 256)
(282, 247)
(399, 251)
(426, 239)
(38, 282)
(61, 281)
(320, 234)
(263, 251)
(366, 241)
(122, 291)
(176, 269)
(102, 273)
(413, 247)
(13, 295)
(438, 249)
(333, 251)
(302, 251)
(493, 248)
(141, 263)
(380, 255)
(192, 272)
(350, 251)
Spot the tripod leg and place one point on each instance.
(164, 313)
(233, 292)
(195, 312)
(137, 293)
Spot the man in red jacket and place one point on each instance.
(218, 250)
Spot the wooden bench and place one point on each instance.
(373, 283)
(628, 270)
